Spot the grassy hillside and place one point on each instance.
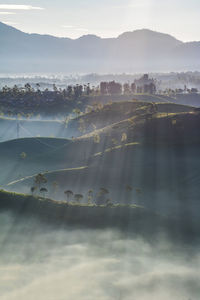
(115, 112)
(26, 156)
(184, 99)
(157, 177)
(11, 128)
(61, 212)
(154, 153)
(134, 219)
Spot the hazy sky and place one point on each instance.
(106, 18)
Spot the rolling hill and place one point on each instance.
(138, 51)
(23, 157)
(170, 125)
(161, 179)
(118, 111)
(158, 159)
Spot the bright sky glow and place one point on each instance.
(105, 18)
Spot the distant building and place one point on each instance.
(110, 88)
(145, 85)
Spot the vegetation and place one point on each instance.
(113, 142)
(26, 101)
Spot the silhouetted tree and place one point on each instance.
(43, 191)
(90, 196)
(68, 194)
(33, 189)
(39, 179)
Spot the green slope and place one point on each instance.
(11, 128)
(119, 111)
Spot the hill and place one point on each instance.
(157, 165)
(160, 178)
(23, 157)
(140, 50)
(11, 128)
(134, 219)
(115, 112)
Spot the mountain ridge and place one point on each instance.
(134, 51)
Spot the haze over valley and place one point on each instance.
(99, 150)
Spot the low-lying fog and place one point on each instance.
(45, 263)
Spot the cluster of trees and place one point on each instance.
(72, 91)
(180, 91)
(35, 100)
(39, 180)
(92, 198)
(101, 198)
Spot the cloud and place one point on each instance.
(71, 263)
(19, 7)
(7, 13)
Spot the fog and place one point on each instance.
(44, 262)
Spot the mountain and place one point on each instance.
(140, 50)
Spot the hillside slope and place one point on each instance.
(134, 219)
(11, 128)
(118, 111)
(159, 178)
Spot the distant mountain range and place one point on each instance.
(138, 51)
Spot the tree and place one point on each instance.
(43, 191)
(90, 196)
(28, 88)
(88, 90)
(78, 198)
(68, 194)
(55, 89)
(33, 189)
(39, 179)
(69, 91)
(55, 186)
(77, 112)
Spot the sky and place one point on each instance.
(105, 18)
